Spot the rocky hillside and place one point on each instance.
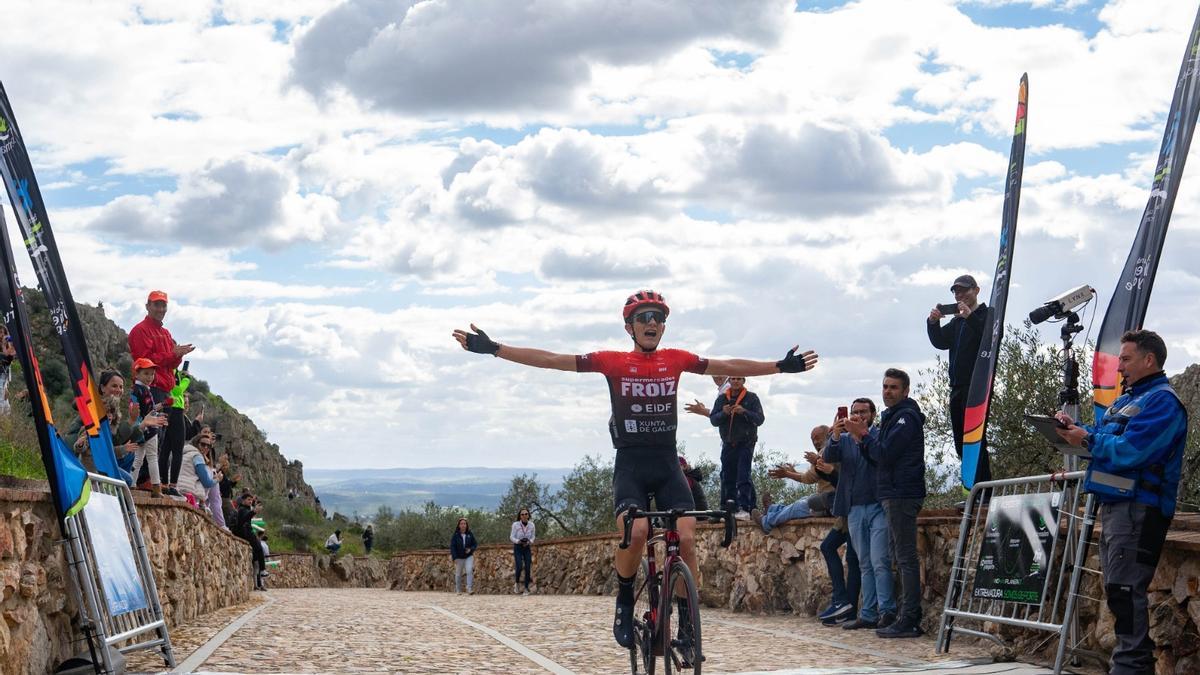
(262, 466)
(1187, 385)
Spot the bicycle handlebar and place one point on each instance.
(726, 515)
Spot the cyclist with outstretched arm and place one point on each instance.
(642, 385)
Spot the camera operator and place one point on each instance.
(522, 535)
(961, 336)
(1137, 457)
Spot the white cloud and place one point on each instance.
(439, 57)
(466, 162)
(248, 201)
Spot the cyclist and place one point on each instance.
(642, 387)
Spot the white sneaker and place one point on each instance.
(742, 515)
(516, 589)
(526, 592)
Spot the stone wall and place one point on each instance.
(198, 567)
(308, 570)
(784, 572)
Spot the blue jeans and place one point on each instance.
(736, 460)
(869, 532)
(523, 557)
(845, 582)
(777, 514)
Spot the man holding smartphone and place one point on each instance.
(961, 336)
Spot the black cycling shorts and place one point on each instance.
(640, 473)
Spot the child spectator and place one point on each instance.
(150, 419)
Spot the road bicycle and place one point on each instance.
(659, 588)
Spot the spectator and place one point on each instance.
(898, 452)
(737, 413)
(698, 408)
(195, 478)
(462, 552)
(368, 539)
(962, 337)
(868, 525)
(334, 543)
(695, 479)
(247, 507)
(266, 552)
(522, 535)
(125, 435)
(150, 419)
(819, 473)
(7, 354)
(228, 482)
(151, 340)
(207, 447)
(291, 494)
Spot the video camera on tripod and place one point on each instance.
(1062, 307)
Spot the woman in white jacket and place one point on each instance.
(522, 536)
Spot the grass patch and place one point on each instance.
(20, 455)
(20, 462)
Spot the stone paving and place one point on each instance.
(319, 630)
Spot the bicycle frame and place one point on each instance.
(656, 581)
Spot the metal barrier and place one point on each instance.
(111, 629)
(1053, 607)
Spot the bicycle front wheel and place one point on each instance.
(642, 651)
(679, 621)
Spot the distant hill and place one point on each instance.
(363, 491)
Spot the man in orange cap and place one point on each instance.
(151, 340)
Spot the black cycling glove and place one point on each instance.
(792, 363)
(480, 343)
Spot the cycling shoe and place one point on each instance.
(623, 625)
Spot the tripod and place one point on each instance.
(1068, 396)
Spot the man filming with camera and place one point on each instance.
(1137, 457)
(961, 336)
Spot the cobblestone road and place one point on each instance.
(377, 631)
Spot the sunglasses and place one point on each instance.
(649, 315)
(205, 445)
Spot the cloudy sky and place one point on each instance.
(327, 189)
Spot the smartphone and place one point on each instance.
(842, 412)
(186, 363)
(948, 309)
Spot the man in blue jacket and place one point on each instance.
(898, 454)
(737, 413)
(1137, 458)
(866, 520)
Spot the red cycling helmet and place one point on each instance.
(642, 299)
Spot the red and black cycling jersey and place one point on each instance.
(642, 386)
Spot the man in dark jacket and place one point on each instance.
(898, 454)
(962, 337)
(737, 413)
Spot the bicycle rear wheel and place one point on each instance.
(681, 644)
(646, 600)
